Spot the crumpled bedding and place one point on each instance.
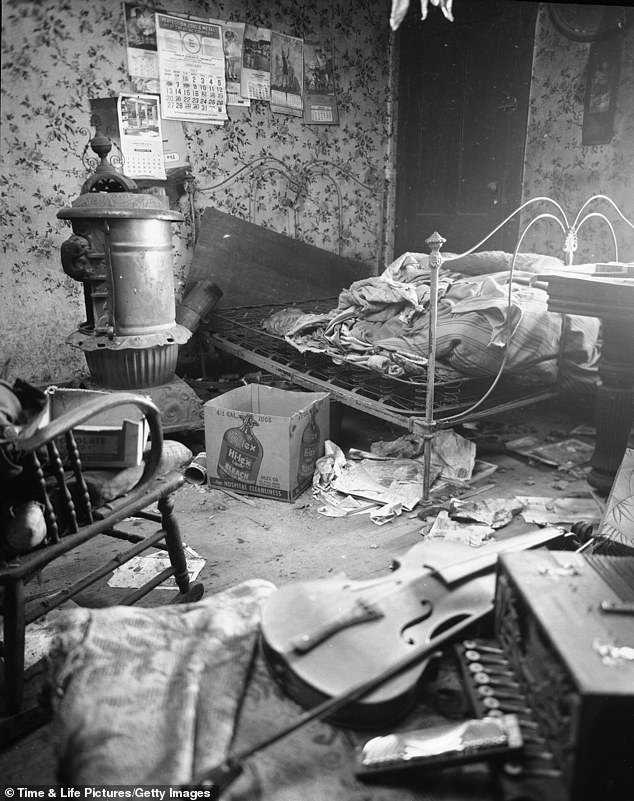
(154, 697)
(150, 695)
(486, 318)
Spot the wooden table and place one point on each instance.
(612, 301)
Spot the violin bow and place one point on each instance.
(218, 778)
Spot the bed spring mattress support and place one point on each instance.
(402, 402)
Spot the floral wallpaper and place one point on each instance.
(559, 165)
(58, 55)
(328, 185)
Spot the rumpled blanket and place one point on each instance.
(155, 696)
(150, 696)
(485, 320)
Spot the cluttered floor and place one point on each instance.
(232, 538)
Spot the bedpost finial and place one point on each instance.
(435, 241)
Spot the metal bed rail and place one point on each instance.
(402, 402)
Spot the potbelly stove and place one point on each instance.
(121, 250)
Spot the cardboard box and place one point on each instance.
(265, 441)
(113, 439)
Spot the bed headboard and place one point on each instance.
(254, 265)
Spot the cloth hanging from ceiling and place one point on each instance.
(400, 7)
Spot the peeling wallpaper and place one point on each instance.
(57, 55)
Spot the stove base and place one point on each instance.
(181, 408)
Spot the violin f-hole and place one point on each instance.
(427, 608)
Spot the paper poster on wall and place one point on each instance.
(191, 69)
(232, 42)
(320, 99)
(141, 136)
(287, 70)
(140, 34)
(255, 77)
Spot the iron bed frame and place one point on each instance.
(421, 407)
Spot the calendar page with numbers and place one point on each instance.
(141, 136)
(191, 69)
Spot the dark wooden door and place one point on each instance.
(462, 114)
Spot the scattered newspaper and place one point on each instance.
(382, 488)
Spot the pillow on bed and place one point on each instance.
(537, 335)
(493, 261)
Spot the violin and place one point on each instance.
(322, 637)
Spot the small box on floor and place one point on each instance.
(114, 438)
(265, 441)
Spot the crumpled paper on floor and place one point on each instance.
(453, 456)
(383, 488)
(445, 528)
(494, 512)
(388, 480)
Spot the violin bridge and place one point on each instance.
(361, 612)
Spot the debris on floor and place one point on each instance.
(546, 511)
(446, 528)
(474, 522)
(139, 569)
(563, 455)
(383, 488)
(389, 479)
(481, 470)
(453, 456)
(493, 512)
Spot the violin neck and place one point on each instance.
(485, 557)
